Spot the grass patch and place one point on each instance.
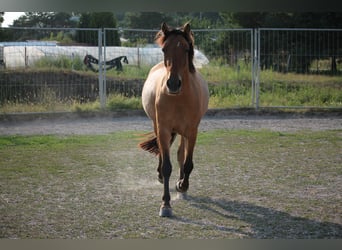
(114, 102)
(130, 72)
(117, 101)
(229, 95)
(245, 184)
(61, 62)
(229, 87)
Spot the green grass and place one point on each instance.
(245, 184)
(300, 95)
(114, 102)
(229, 87)
(61, 62)
(130, 72)
(277, 89)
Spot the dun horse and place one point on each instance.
(175, 97)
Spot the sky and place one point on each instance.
(9, 17)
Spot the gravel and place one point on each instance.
(68, 124)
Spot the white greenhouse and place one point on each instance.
(25, 54)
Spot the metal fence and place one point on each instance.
(301, 63)
(37, 69)
(269, 66)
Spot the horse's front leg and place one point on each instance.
(166, 169)
(159, 169)
(183, 183)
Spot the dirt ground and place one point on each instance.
(68, 124)
(281, 186)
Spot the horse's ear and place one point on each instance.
(160, 36)
(190, 35)
(186, 28)
(188, 32)
(165, 28)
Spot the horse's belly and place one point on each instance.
(147, 98)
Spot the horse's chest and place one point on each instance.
(177, 115)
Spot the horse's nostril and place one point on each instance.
(168, 83)
(173, 85)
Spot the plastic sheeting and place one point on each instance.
(24, 55)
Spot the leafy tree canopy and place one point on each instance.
(199, 20)
(46, 19)
(1, 17)
(285, 20)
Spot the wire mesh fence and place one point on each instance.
(308, 51)
(300, 67)
(36, 69)
(244, 67)
(223, 56)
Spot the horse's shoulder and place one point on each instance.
(158, 66)
(157, 71)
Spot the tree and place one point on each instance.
(3, 33)
(42, 20)
(45, 20)
(1, 17)
(98, 20)
(300, 45)
(146, 20)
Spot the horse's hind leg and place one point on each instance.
(160, 175)
(180, 158)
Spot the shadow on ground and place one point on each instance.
(263, 222)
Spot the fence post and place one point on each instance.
(102, 89)
(252, 66)
(104, 69)
(256, 68)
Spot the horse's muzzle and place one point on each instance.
(174, 84)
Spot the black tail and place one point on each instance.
(150, 144)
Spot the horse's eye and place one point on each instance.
(164, 50)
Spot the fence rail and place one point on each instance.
(252, 67)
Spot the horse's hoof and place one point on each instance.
(180, 188)
(165, 211)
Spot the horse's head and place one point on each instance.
(177, 46)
